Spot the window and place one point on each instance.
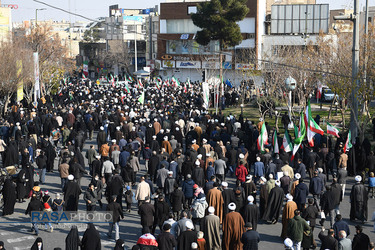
(181, 26)
(192, 10)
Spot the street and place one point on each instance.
(14, 229)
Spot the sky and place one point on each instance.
(99, 8)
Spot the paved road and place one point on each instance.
(14, 231)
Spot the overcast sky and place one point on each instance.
(99, 8)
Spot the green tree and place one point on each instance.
(217, 19)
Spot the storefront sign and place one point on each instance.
(245, 66)
(169, 64)
(210, 65)
(188, 64)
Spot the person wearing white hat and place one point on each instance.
(259, 170)
(71, 194)
(288, 213)
(233, 228)
(274, 204)
(101, 137)
(166, 145)
(297, 176)
(211, 229)
(187, 237)
(358, 201)
(249, 187)
(194, 145)
(288, 243)
(251, 212)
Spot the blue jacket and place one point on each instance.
(371, 181)
(340, 225)
(210, 172)
(300, 193)
(316, 185)
(124, 156)
(173, 166)
(187, 188)
(258, 169)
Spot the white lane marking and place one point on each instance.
(6, 233)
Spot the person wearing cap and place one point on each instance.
(199, 207)
(198, 174)
(187, 237)
(165, 239)
(296, 228)
(157, 126)
(288, 213)
(360, 240)
(288, 244)
(358, 201)
(210, 226)
(194, 144)
(250, 212)
(274, 204)
(233, 228)
(250, 239)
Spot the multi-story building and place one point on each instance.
(5, 22)
(179, 55)
(126, 32)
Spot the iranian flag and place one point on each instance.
(319, 91)
(263, 137)
(301, 136)
(140, 83)
(158, 82)
(127, 88)
(287, 143)
(312, 127)
(175, 81)
(185, 89)
(331, 130)
(348, 143)
(275, 143)
(84, 77)
(141, 99)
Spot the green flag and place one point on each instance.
(141, 99)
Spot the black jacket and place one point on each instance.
(166, 241)
(115, 208)
(328, 242)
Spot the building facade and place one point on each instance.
(179, 55)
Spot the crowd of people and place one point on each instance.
(177, 162)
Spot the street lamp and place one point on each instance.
(242, 109)
(336, 104)
(36, 15)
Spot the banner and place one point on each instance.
(36, 75)
(20, 83)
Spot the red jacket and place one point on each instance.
(241, 173)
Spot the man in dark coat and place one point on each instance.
(328, 241)
(116, 210)
(274, 204)
(316, 187)
(161, 213)
(360, 240)
(187, 237)
(300, 194)
(228, 197)
(71, 194)
(250, 238)
(177, 201)
(198, 175)
(250, 213)
(147, 212)
(263, 196)
(115, 187)
(101, 138)
(166, 240)
(358, 198)
(9, 197)
(153, 165)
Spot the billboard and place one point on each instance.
(299, 18)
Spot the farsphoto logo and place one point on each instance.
(71, 217)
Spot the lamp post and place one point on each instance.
(36, 16)
(242, 109)
(336, 104)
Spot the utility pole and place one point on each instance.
(36, 16)
(355, 66)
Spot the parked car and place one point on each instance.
(327, 95)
